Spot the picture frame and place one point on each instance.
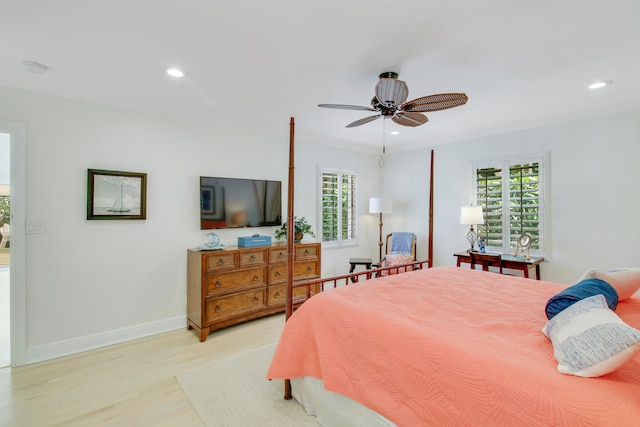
(116, 195)
(523, 244)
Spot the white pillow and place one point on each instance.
(590, 340)
(626, 281)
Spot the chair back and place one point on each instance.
(486, 261)
(406, 241)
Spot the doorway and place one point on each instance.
(5, 249)
(13, 154)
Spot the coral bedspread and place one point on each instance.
(451, 346)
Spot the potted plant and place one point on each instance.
(301, 227)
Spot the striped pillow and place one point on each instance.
(590, 340)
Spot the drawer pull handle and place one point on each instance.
(218, 309)
(221, 261)
(277, 294)
(278, 274)
(218, 283)
(252, 258)
(256, 278)
(309, 269)
(306, 251)
(280, 255)
(256, 299)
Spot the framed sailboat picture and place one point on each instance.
(116, 195)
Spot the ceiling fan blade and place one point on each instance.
(435, 102)
(410, 119)
(391, 92)
(346, 107)
(363, 121)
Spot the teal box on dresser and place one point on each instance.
(255, 240)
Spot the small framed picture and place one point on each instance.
(116, 195)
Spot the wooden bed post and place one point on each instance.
(430, 248)
(290, 241)
(290, 222)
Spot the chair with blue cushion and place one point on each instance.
(399, 243)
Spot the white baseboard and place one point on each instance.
(77, 345)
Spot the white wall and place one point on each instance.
(592, 182)
(92, 283)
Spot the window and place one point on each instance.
(338, 192)
(512, 198)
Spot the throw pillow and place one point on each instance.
(626, 281)
(580, 291)
(590, 340)
(392, 260)
(397, 259)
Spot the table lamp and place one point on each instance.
(471, 215)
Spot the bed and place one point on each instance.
(451, 346)
(443, 346)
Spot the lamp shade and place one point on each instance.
(379, 205)
(471, 215)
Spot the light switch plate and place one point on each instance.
(35, 226)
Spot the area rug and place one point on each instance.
(235, 393)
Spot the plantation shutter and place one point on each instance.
(330, 209)
(348, 207)
(338, 206)
(524, 202)
(512, 203)
(489, 194)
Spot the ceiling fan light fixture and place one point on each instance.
(391, 92)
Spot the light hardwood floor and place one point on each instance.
(129, 384)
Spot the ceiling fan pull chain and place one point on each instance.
(384, 133)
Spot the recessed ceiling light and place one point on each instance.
(174, 72)
(598, 85)
(395, 132)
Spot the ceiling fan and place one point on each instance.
(390, 101)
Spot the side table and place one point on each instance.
(359, 261)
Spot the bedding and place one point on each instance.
(451, 346)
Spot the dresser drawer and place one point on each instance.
(277, 273)
(306, 270)
(220, 282)
(234, 304)
(304, 251)
(277, 255)
(278, 293)
(253, 257)
(222, 259)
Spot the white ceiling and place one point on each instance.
(522, 63)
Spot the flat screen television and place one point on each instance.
(236, 202)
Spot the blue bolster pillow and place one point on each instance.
(581, 290)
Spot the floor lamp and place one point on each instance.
(380, 205)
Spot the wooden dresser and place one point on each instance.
(237, 284)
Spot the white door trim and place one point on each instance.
(17, 267)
